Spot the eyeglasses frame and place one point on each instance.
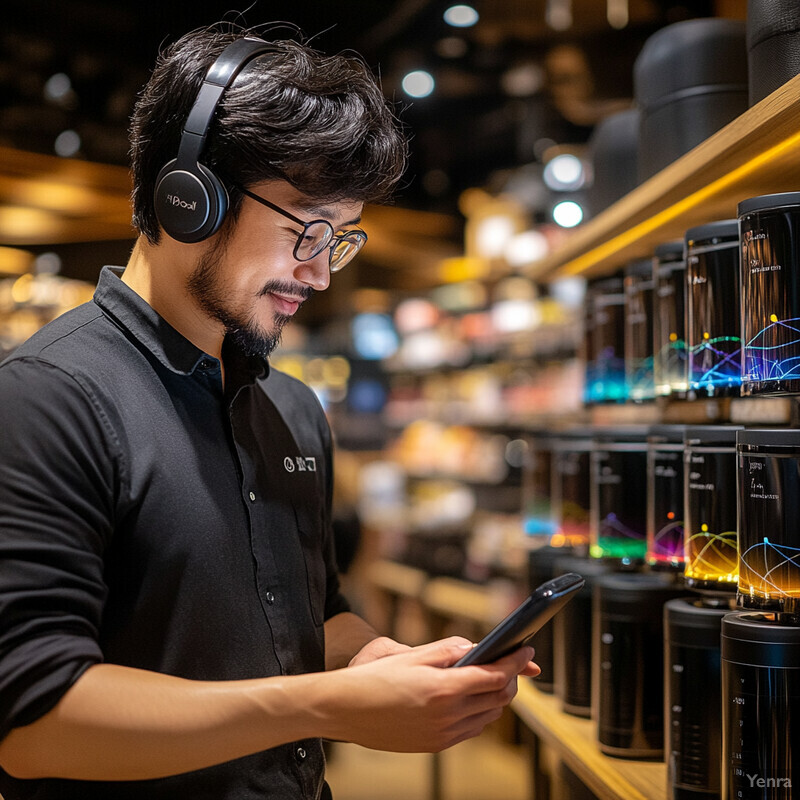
(329, 245)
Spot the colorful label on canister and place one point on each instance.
(769, 529)
(711, 549)
(770, 302)
(665, 527)
(713, 330)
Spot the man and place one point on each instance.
(170, 618)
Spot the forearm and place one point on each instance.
(118, 723)
(345, 635)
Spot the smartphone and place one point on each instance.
(518, 628)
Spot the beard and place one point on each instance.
(208, 289)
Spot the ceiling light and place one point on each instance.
(418, 83)
(617, 13)
(493, 234)
(523, 80)
(568, 214)
(564, 173)
(67, 144)
(57, 87)
(461, 16)
(47, 263)
(526, 248)
(558, 14)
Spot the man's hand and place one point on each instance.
(378, 648)
(407, 702)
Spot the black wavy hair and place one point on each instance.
(319, 122)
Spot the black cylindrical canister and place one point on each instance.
(613, 148)
(538, 513)
(770, 260)
(619, 495)
(693, 697)
(572, 487)
(769, 521)
(628, 667)
(773, 45)
(690, 79)
(669, 320)
(605, 367)
(665, 497)
(572, 637)
(711, 548)
(713, 326)
(541, 568)
(639, 287)
(760, 707)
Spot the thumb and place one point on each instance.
(443, 652)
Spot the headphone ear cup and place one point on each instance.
(190, 203)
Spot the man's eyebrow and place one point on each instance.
(325, 212)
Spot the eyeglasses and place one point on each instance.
(317, 235)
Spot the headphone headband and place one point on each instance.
(190, 201)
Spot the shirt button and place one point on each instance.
(300, 753)
(205, 364)
(253, 496)
(270, 598)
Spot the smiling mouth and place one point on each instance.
(286, 304)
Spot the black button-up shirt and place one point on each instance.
(150, 518)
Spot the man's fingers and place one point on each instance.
(442, 653)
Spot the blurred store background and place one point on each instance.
(503, 310)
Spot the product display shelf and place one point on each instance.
(574, 742)
(758, 153)
(443, 598)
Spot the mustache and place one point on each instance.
(286, 287)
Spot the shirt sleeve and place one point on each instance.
(57, 484)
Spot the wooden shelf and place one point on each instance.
(758, 153)
(456, 599)
(574, 741)
(397, 579)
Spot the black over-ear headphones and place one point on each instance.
(190, 201)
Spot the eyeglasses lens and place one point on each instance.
(345, 249)
(316, 237)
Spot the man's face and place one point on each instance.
(248, 279)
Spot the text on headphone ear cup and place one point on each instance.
(190, 204)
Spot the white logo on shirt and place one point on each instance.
(300, 463)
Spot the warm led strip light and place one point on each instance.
(639, 231)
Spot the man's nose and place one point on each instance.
(316, 271)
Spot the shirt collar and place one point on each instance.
(154, 333)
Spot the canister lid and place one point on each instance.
(666, 433)
(692, 53)
(769, 437)
(722, 229)
(640, 267)
(644, 592)
(572, 437)
(606, 285)
(768, 201)
(697, 612)
(755, 639)
(670, 251)
(586, 566)
(630, 433)
(692, 622)
(706, 435)
(768, 18)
